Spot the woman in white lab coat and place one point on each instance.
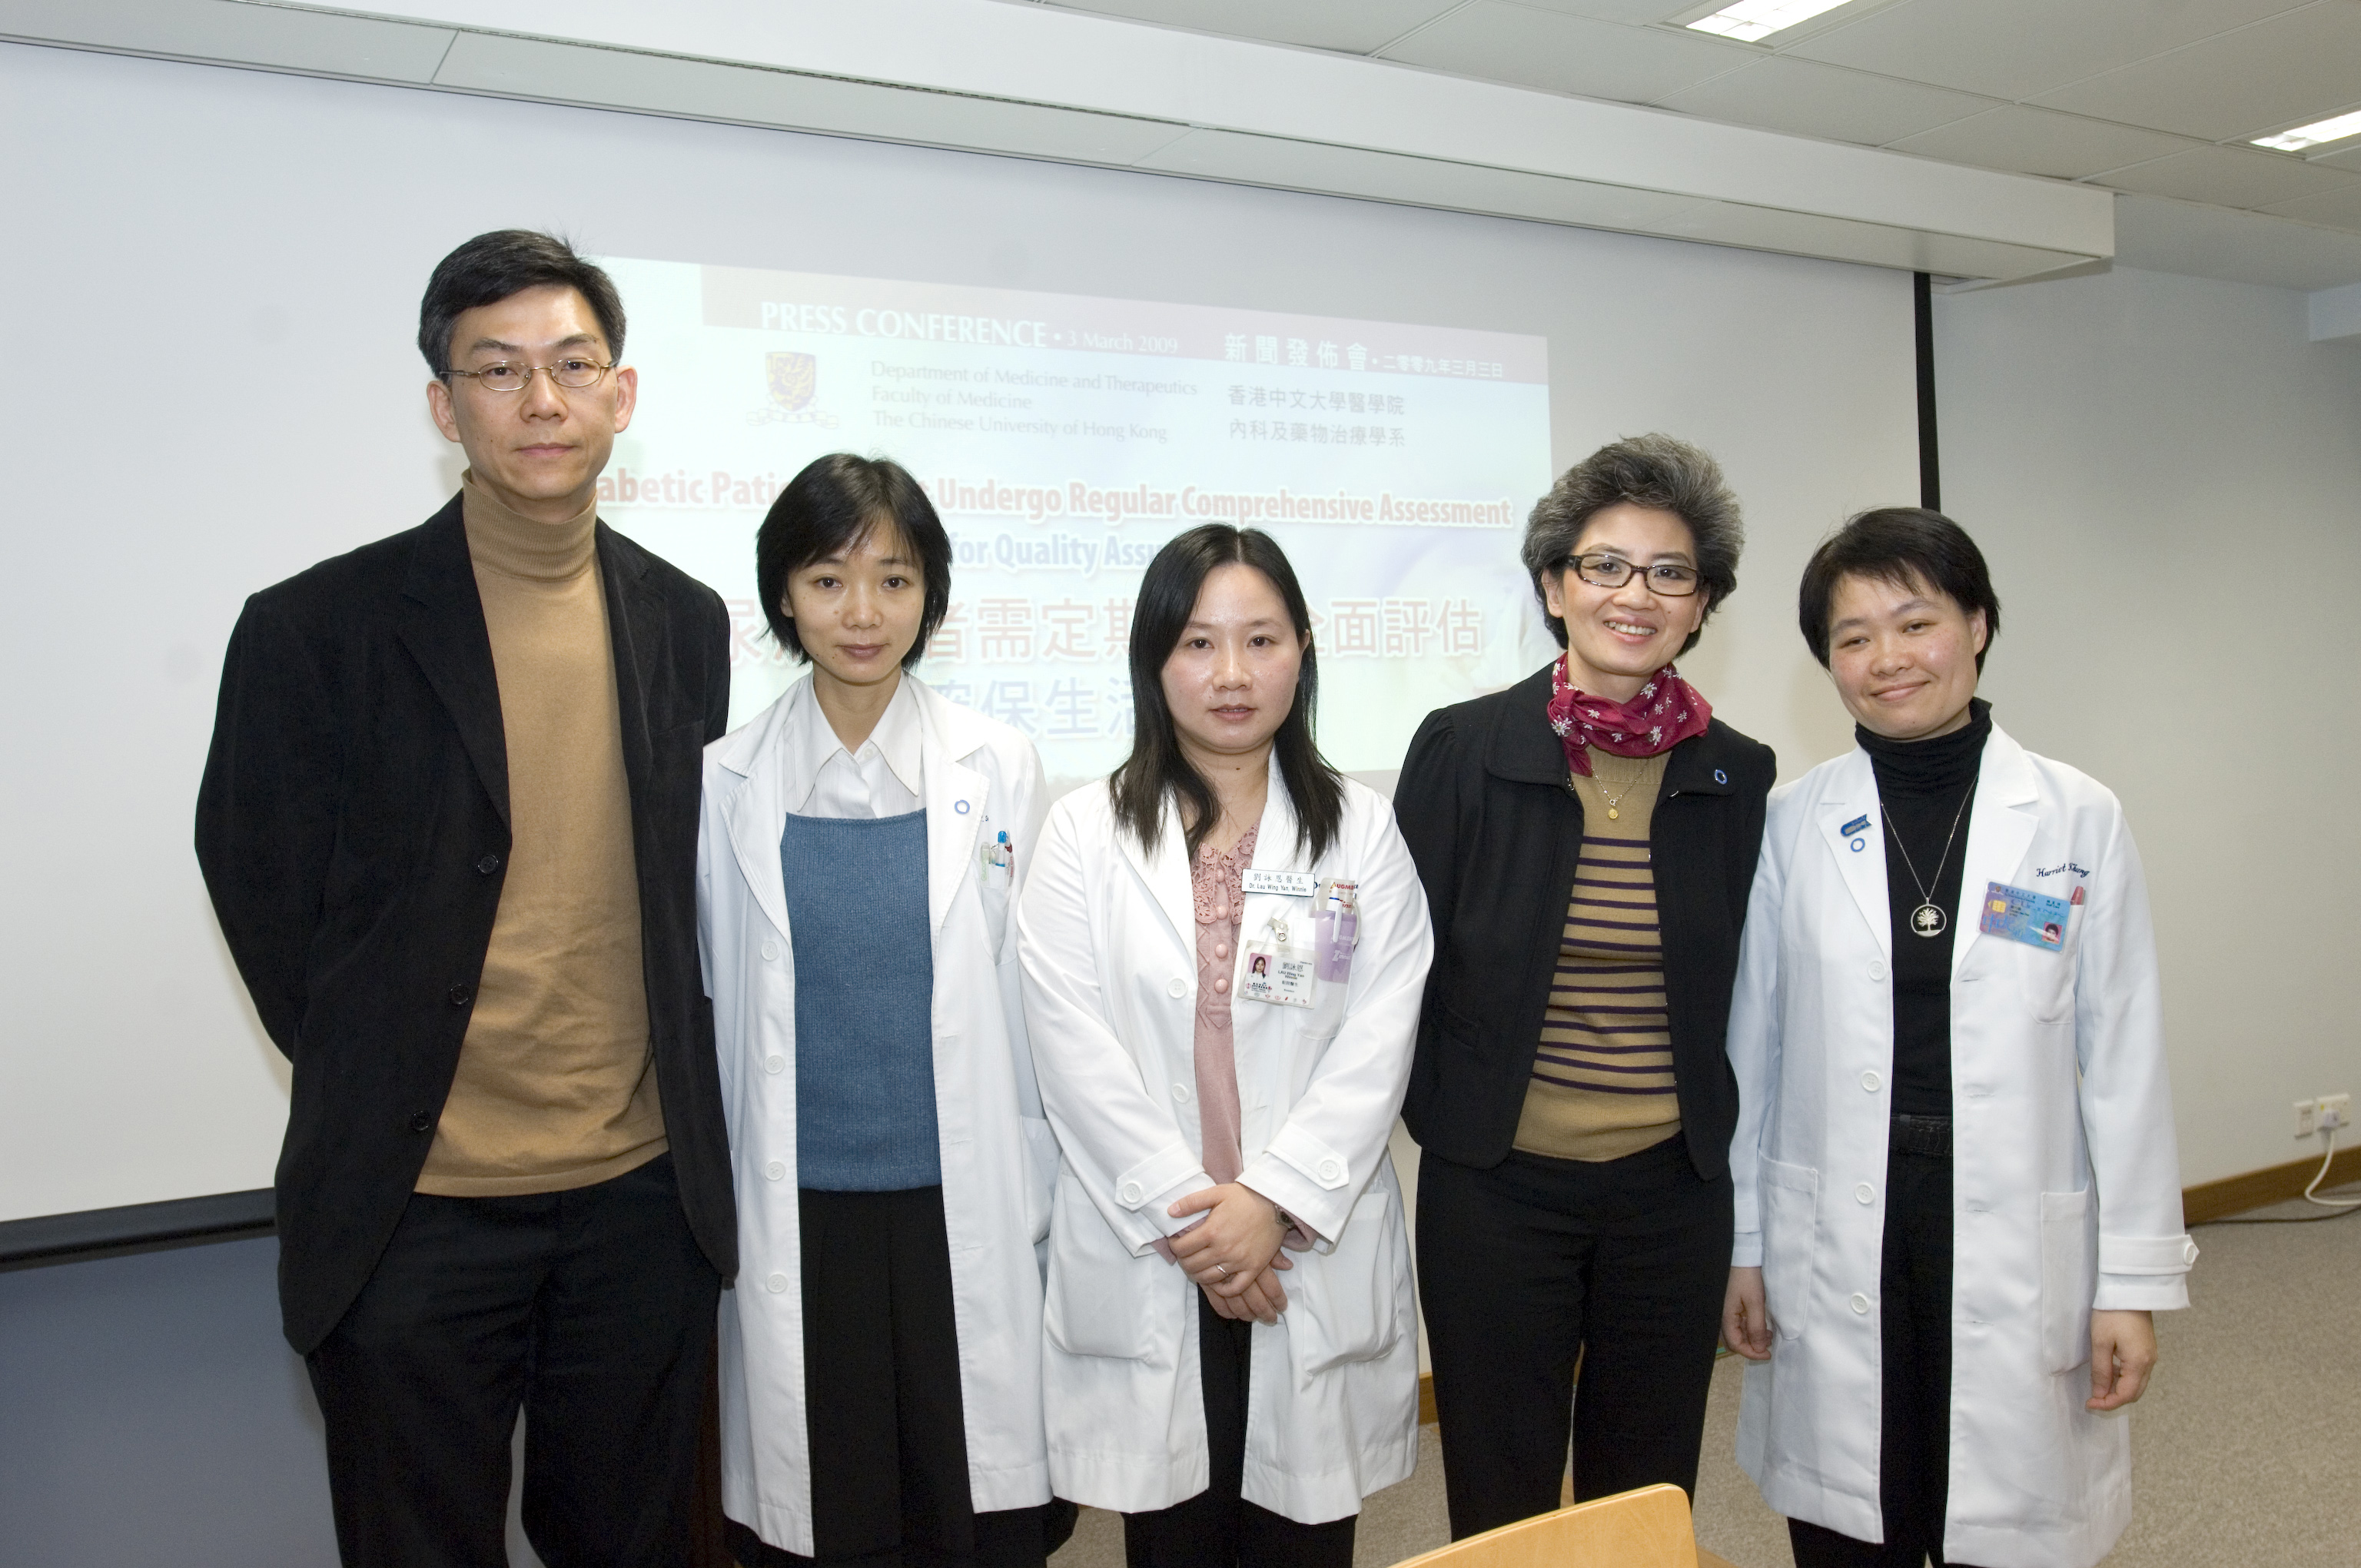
(1958, 1200)
(857, 865)
(1231, 1349)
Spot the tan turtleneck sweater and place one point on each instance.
(555, 1087)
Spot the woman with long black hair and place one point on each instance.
(1223, 951)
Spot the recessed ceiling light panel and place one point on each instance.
(2314, 133)
(1752, 20)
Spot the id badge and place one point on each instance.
(2022, 915)
(1277, 972)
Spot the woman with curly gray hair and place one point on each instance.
(1586, 838)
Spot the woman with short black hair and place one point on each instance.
(1956, 1187)
(1586, 837)
(1223, 948)
(858, 862)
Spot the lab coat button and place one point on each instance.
(1330, 1170)
(1181, 1092)
(1871, 1081)
(1129, 1192)
(775, 1064)
(489, 864)
(1877, 968)
(1176, 987)
(778, 1283)
(1864, 1193)
(1860, 1303)
(2188, 1252)
(776, 1170)
(770, 951)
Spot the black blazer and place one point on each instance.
(353, 829)
(1485, 806)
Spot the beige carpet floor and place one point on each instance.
(2243, 1451)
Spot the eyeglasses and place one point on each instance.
(574, 375)
(1668, 579)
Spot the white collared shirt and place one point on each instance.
(882, 779)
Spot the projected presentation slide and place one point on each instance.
(1064, 439)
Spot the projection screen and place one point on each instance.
(214, 286)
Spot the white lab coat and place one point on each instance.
(980, 778)
(2066, 1186)
(1108, 939)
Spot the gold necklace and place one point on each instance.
(1599, 780)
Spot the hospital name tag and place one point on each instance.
(1294, 885)
(2034, 918)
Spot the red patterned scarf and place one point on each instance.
(1665, 712)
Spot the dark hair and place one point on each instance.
(491, 267)
(1156, 770)
(1909, 547)
(830, 506)
(1656, 471)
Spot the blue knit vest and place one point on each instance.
(864, 1003)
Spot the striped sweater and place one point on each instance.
(1602, 1082)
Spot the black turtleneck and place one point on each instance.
(1923, 786)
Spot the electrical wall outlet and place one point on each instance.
(2323, 1113)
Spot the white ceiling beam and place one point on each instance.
(2336, 313)
(1042, 83)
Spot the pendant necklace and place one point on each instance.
(1928, 919)
(1617, 798)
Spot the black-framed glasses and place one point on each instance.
(574, 375)
(1669, 579)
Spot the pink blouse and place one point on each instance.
(1217, 882)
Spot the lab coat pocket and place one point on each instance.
(1041, 1165)
(2070, 1266)
(1790, 1232)
(1099, 1299)
(993, 886)
(2047, 977)
(1344, 1307)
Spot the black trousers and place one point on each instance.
(883, 1412)
(1218, 1528)
(1536, 1264)
(1915, 1403)
(592, 1311)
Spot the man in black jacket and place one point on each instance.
(449, 825)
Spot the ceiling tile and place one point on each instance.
(2339, 209)
(1635, 12)
(2015, 49)
(2292, 68)
(1813, 100)
(2041, 141)
(1568, 54)
(1354, 27)
(2230, 176)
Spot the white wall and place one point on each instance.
(214, 277)
(2166, 476)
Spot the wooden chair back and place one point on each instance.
(1645, 1529)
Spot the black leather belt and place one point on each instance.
(1920, 1135)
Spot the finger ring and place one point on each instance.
(1225, 1268)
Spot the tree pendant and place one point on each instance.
(1927, 921)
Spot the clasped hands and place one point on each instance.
(1234, 1253)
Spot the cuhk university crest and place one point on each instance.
(792, 378)
(792, 375)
